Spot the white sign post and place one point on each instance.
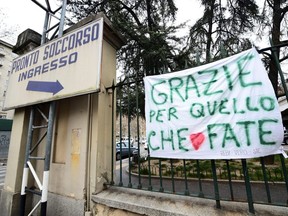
(65, 67)
(223, 110)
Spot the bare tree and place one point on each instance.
(275, 18)
(6, 32)
(223, 27)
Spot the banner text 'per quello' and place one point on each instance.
(223, 110)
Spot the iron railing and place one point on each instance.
(245, 180)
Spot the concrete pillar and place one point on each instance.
(9, 200)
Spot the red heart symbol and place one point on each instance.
(197, 139)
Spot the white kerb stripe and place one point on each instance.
(45, 186)
(24, 180)
(35, 175)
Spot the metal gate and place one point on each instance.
(251, 181)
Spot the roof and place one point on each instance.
(6, 44)
(109, 34)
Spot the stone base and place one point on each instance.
(123, 201)
(57, 205)
(9, 203)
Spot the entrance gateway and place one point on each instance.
(46, 81)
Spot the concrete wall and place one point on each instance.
(68, 157)
(6, 57)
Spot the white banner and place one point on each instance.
(223, 110)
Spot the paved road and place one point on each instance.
(237, 191)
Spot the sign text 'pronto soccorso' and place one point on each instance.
(64, 67)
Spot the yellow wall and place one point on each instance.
(82, 142)
(67, 169)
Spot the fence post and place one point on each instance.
(216, 189)
(248, 186)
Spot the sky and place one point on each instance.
(24, 14)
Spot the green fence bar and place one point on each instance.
(185, 175)
(200, 194)
(160, 177)
(248, 186)
(229, 180)
(172, 176)
(129, 136)
(149, 172)
(112, 134)
(284, 170)
(120, 134)
(265, 179)
(216, 189)
(138, 136)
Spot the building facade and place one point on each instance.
(6, 58)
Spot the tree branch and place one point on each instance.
(283, 59)
(269, 3)
(131, 12)
(283, 12)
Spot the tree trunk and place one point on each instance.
(273, 71)
(150, 21)
(209, 32)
